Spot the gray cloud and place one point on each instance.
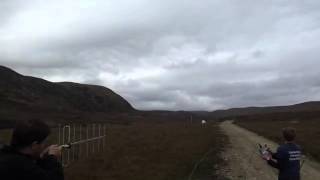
(7, 9)
(172, 55)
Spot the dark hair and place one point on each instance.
(289, 133)
(28, 131)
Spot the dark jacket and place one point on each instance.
(17, 166)
(287, 161)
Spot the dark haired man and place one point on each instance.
(27, 157)
(287, 157)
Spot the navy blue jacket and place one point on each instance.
(287, 161)
(17, 166)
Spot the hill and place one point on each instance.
(312, 106)
(26, 95)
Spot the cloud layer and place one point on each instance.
(175, 55)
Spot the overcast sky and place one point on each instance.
(170, 54)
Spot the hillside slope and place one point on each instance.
(20, 94)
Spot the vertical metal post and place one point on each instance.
(62, 141)
(87, 143)
(74, 139)
(69, 140)
(64, 160)
(105, 136)
(59, 136)
(80, 136)
(93, 135)
(59, 139)
(99, 140)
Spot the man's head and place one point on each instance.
(289, 134)
(30, 135)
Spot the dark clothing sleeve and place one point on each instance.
(287, 161)
(280, 157)
(273, 163)
(273, 154)
(17, 166)
(47, 168)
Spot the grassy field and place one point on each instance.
(308, 132)
(153, 151)
(161, 151)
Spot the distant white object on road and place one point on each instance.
(203, 123)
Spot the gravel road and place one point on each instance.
(244, 161)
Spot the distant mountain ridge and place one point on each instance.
(301, 107)
(25, 93)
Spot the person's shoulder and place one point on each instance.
(9, 156)
(282, 147)
(297, 146)
(285, 147)
(289, 147)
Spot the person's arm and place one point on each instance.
(47, 168)
(273, 163)
(278, 159)
(271, 160)
(50, 163)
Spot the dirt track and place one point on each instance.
(244, 161)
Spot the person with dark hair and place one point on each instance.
(28, 156)
(287, 158)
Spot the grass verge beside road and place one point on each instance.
(308, 132)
